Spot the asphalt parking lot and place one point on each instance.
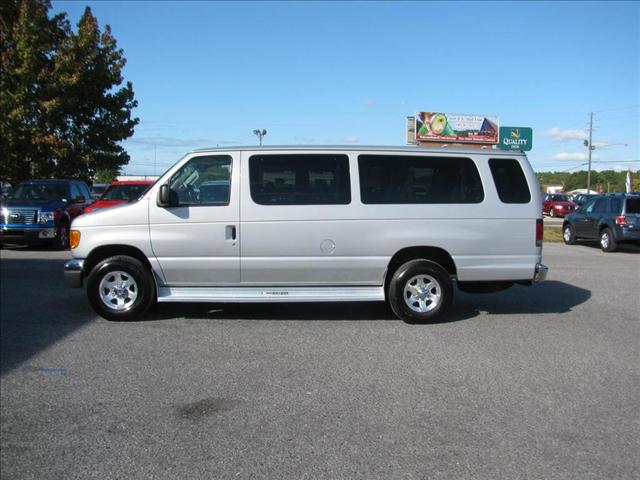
(540, 382)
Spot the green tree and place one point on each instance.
(105, 175)
(63, 110)
(93, 114)
(28, 44)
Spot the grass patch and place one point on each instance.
(552, 234)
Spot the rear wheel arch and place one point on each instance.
(434, 254)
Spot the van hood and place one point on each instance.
(135, 213)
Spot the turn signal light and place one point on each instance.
(74, 238)
(621, 220)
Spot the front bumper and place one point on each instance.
(73, 273)
(26, 234)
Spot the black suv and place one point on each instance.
(41, 211)
(613, 219)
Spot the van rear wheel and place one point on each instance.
(419, 291)
(120, 288)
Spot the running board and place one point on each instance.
(258, 294)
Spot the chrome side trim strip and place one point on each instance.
(270, 294)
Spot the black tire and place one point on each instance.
(135, 280)
(568, 234)
(403, 277)
(61, 242)
(607, 242)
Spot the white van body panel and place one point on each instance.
(314, 247)
(193, 244)
(488, 241)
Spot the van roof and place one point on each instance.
(367, 148)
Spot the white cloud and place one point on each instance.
(564, 135)
(600, 144)
(574, 156)
(351, 140)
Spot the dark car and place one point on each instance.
(583, 198)
(41, 211)
(613, 219)
(5, 188)
(558, 205)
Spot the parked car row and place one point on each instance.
(41, 211)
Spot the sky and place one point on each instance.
(207, 74)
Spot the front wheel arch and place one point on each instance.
(105, 251)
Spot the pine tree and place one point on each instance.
(93, 113)
(29, 42)
(63, 110)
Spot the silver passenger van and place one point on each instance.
(316, 224)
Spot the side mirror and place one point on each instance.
(167, 197)
(79, 199)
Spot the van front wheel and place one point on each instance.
(419, 291)
(120, 288)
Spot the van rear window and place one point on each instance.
(510, 180)
(300, 179)
(402, 179)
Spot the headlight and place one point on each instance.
(46, 217)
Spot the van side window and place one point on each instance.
(203, 181)
(510, 181)
(402, 179)
(297, 179)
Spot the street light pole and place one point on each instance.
(260, 134)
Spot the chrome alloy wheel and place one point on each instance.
(118, 291)
(604, 240)
(422, 293)
(567, 234)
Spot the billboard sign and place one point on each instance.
(516, 138)
(457, 128)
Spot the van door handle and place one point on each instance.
(230, 232)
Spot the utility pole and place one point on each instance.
(590, 147)
(155, 158)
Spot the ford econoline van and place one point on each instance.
(316, 224)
